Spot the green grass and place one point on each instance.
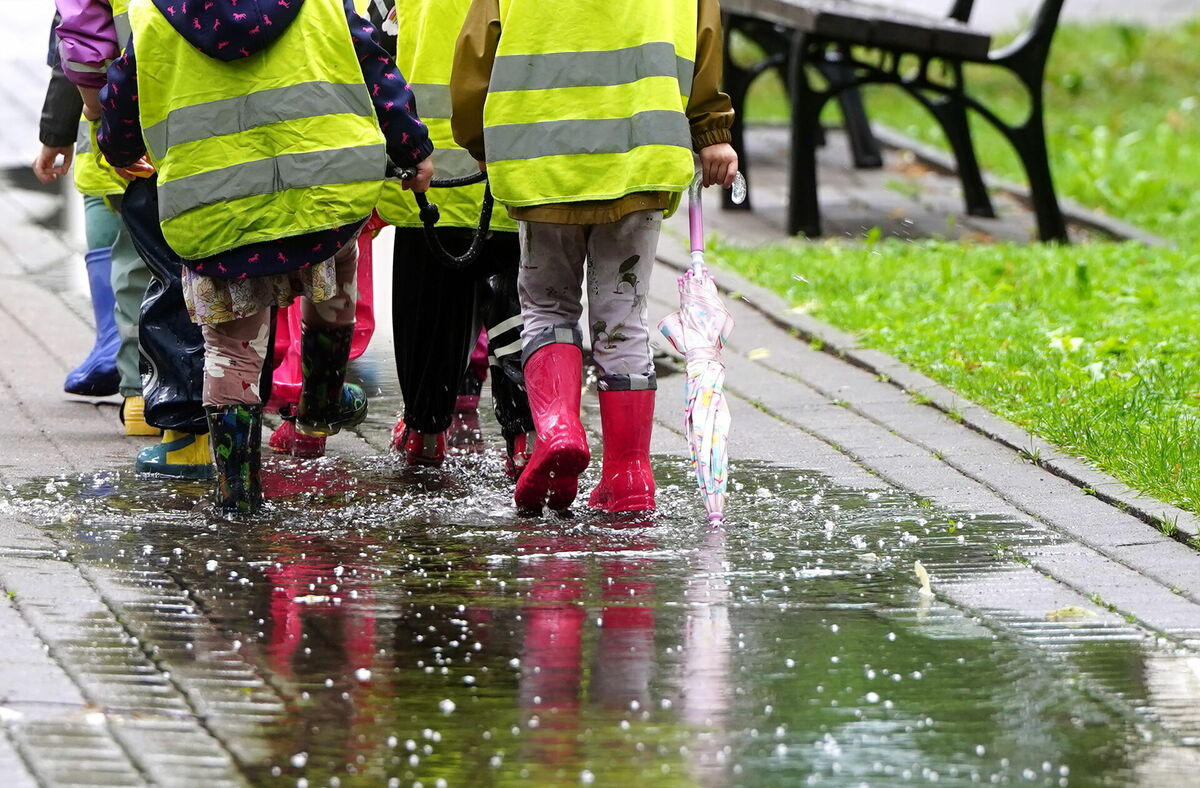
(1093, 347)
(1123, 121)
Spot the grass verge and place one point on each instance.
(1095, 350)
(1093, 347)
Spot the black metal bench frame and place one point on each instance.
(796, 51)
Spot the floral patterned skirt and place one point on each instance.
(211, 301)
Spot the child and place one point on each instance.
(436, 311)
(264, 123)
(585, 119)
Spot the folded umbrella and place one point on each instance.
(699, 331)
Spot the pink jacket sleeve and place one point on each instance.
(87, 40)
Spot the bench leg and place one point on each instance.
(737, 87)
(804, 212)
(864, 148)
(1030, 143)
(952, 115)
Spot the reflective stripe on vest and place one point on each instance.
(591, 69)
(428, 30)
(267, 176)
(238, 165)
(242, 113)
(588, 103)
(120, 12)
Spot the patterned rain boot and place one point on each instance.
(181, 455)
(236, 432)
(419, 448)
(97, 376)
(626, 479)
(133, 416)
(553, 378)
(327, 404)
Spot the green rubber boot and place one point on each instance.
(235, 432)
(327, 403)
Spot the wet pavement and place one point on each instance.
(382, 626)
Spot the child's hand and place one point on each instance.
(44, 167)
(139, 169)
(420, 181)
(719, 163)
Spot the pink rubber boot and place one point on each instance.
(553, 379)
(626, 479)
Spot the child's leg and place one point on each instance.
(130, 278)
(621, 256)
(326, 405)
(234, 354)
(502, 318)
(97, 376)
(550, 284)
(433, 328)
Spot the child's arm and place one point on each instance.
(473, 58)
(120, 134)
(87, 43)
(408, 140)
(709, 111)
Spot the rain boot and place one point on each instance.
(236, 432)
(133, 416)
(97, 376)
(327, 404)
(626, 479)
(518, 450)
(181, 455)
(419, 448)
(287, 440)
(553, 378)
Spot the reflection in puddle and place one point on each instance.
(384, 624)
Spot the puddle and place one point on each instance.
(402, 627)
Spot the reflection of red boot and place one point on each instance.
(626, 479)
(553, 378)
(419, 448)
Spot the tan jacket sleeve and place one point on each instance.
(472, 71)
(709, 111)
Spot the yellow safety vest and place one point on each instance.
(587, 100)
(424, 55)
(93, 175)
(278, 144)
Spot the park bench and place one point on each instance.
(827, 49)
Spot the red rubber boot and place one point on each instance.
(626, 479)
(553, 380)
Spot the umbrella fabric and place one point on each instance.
(699, 330)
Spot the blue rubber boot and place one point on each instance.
(97, 376)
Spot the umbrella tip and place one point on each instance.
(716, 518)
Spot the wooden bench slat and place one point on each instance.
(870, 25)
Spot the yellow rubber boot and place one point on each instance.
(133, 416)
(181, 454)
